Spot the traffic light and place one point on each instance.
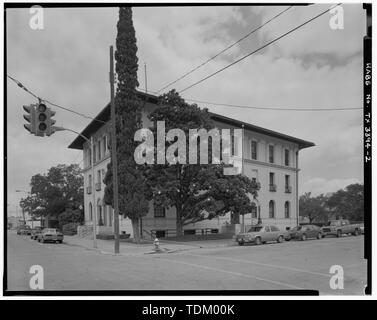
(41, 117)
(31, 118)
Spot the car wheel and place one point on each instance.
(39, 240)
(339, 233)
(280, 239)
(43, 240)
(356, 233)
(319, 236)
(303, 237)
(241, 243)
(258, 241)
(61, 241)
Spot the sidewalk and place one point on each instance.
(132, 249)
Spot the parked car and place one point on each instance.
(50, 235)
(305, 232)
(262, 234)
(340, 227)
(35, 232)
(23, 230)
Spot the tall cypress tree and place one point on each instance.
(132, 203)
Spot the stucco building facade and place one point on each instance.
(269, 157)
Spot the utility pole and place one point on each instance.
(94, 206)
(114, 155)
(242, 146)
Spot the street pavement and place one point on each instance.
(222, 265)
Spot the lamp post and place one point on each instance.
(91, 143)
(23, 211)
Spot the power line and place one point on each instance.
(51, 103)
(272, 108)
(226, 49)
(260, 48)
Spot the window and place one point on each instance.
(90, 211)
(99, 176)
(287, 210)
(159, 211)
(274, 228)
(160, 233)
(288, 188)
(287, 181)
(254, 211)
(104, 215)
(272, 178)
(94, 153)
(99, 150)
(271, 209)
(234, 145)
(89, 155)
(254, 146)
(90, 180)
(286, 157)
(267, 229)
(104, 145)
(271, 153)
(110, 216)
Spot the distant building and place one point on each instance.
(268, 157)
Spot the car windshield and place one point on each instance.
(50, 230)
(255, 229)
(333, 223)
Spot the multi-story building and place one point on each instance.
(268, 157)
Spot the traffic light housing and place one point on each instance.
(31, 118)
(40, 120)
(41, 115)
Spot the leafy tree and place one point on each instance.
(52, 193)
(132, 202)
(196, 191)
(71, 215)
(313, 207)
(349, 202)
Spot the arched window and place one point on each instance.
(254, 209)
(271, 209)
(104, 215)
(90, 211)
(287, 210)
(110, 216)
(99, 213)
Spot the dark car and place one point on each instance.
(305, 232)
(50, 235)
(24, 230)
(35, 232)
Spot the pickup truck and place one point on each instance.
(340, 227)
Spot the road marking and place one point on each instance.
(235, 273)
(258, 263)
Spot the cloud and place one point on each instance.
(319, 186)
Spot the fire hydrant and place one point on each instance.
(156, 243)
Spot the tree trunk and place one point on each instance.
(179, 223)
(136, 230)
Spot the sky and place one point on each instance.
(67, 62)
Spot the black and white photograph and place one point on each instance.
(187, 149)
